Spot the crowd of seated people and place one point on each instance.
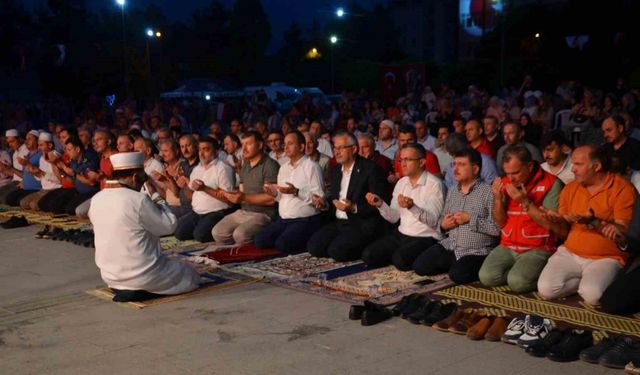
(500, 196)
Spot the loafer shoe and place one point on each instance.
(497, 329)
(453, 318)
(468, 321)
(43, 232)
(593, 354)
(569, 348)
(439, 312)
(400, 306)
(535, 329)
(372, 317)
(620, 354)
(478, 330)
(356, 311)
(540, 348)
(515, 329)
(418, 316)
(413, 305)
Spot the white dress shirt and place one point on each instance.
(216, 174)
(282, 160)
(344, 188)
(49, 181)
(428, 142)
(324, 147)
(421, 220)
(127, 226)
(23, 152)
(306, 176)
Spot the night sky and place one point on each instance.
(280, 12)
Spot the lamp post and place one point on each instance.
(125, 67)
(333, 39)
(151, 34)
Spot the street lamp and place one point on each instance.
(333, 39)
(151, 34)
(125, 67)
(340, 12)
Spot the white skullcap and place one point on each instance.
(387, 123)
(127, 160)
(44, 136)
(34, 133)
(11, 133)
(134, 126)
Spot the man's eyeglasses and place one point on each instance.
(406, 160)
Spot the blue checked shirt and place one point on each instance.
(480, 234)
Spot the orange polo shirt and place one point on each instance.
(614, 201)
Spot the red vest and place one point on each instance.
(521, 233)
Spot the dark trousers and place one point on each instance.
(397, 249)
(437, 260)
(56, 201)
(14, 198)
(193, 226)
(341, 240)
(76, 200)
(623, 294)
(288, 235)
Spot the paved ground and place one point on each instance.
(48, 325)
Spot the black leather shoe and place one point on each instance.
(541, 347)
(56, 233)
(356, 311)
(400, 306)
(439, 312)
(15, 222)
(421, 313)
(594, 353)
(371, 317)
(43, 232)
(620, 354)
(413, 305)
(569, 348)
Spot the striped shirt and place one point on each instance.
(480, 234)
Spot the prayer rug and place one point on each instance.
(234, 254)
(356, 283)
(570, 311)
(295, 266)
(216, 279)
(174, 245)
(44, 218)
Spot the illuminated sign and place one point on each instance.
(478, 16)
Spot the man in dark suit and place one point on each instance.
(354, 223)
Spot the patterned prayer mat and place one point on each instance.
(356, 283)
(174, 245)
(294, 266)
(570, 311)
(43, 218)
(216, 279)
(234, 254)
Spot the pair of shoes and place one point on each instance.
(570, 346)
(541, 347)
(430, 312)
(490, 328)
(404, 303)
(15, 222)
(45, 233)
(56, 234)
(614, 352)
(468, 320)
(369, 313)
(444, 324)
(524, 330)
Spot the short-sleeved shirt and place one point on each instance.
(253, 180)
(627, 153)
(87, 163)
(29, 181)
(107, 169)
(614, 201)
